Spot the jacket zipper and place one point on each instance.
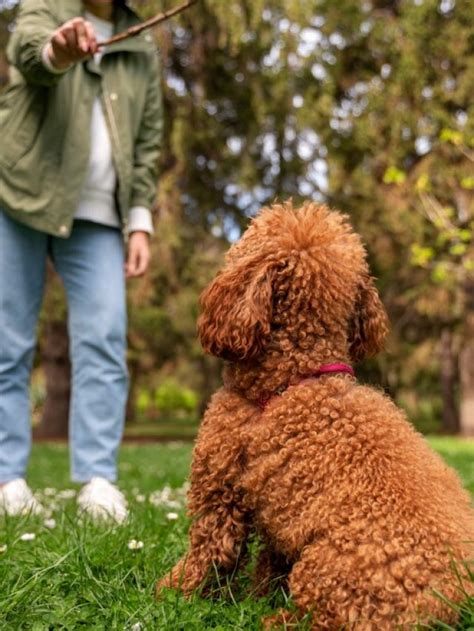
(115, 137)
(113, 123)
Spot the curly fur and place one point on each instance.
(363, 520)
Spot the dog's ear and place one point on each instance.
(236, 312)
(368, 326)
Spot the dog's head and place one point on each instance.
(292, 266)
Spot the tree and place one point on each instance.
(365, 105)
(393, 108)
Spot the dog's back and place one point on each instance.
(335, 472)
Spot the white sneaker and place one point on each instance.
(100, 499)
(16, 498)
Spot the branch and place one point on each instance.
(133, 31)
(466, 152)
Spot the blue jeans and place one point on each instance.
(91, 265)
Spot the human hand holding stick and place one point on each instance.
(75, 40)
(72, 42)
(138, 28)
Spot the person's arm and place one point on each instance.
(138, 253)
(148, 143)
(146, 154)
(140, 228)
(38, 39)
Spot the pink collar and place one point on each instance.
(325, 369)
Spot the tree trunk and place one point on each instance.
(450, 418)
(210, 370)
(133, 372)
(55, 360)
(466, 365)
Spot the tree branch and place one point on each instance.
(133, 31)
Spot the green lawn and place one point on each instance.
(74, 576)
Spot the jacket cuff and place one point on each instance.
(48, 64)
(139, 220)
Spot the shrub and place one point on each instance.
(171, 398)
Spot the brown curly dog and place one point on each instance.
(366, 523)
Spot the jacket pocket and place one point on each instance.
(22, 113)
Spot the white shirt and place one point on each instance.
(97, 200)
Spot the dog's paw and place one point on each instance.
(163, 584)
(282, 620)
(172, 580)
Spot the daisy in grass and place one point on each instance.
(168, 497)
(67, 494)
(135, 545)
(3, 548)
(28, 536)
(172, 516)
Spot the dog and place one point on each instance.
(367, 526)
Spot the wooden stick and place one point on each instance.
(133, 31)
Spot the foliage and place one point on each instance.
(367, 105)
(171, 397)
(393, 109)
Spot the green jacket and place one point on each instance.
(45, 120)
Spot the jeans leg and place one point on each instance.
(91, 264)
(23, 253)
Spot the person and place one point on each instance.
(80, 127)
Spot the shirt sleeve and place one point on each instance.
(34, 27)
(148, 141)
(48, 64)
(140, 220)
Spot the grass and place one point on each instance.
(166, 429)
(75, 576)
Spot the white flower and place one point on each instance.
(28, 536)
(172, 516)
(140, 499)
(168, 497)
(49, 491)
(135, 545)
(3, 548)
(50, 523)
(136, 627)
(67, 494)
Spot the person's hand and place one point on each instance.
(138, 257)
(72, 42)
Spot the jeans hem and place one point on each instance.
(5, 479)
(84, 479)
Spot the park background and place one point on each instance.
(364, 104)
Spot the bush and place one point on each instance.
(171, 398)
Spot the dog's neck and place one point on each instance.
(283, 362)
